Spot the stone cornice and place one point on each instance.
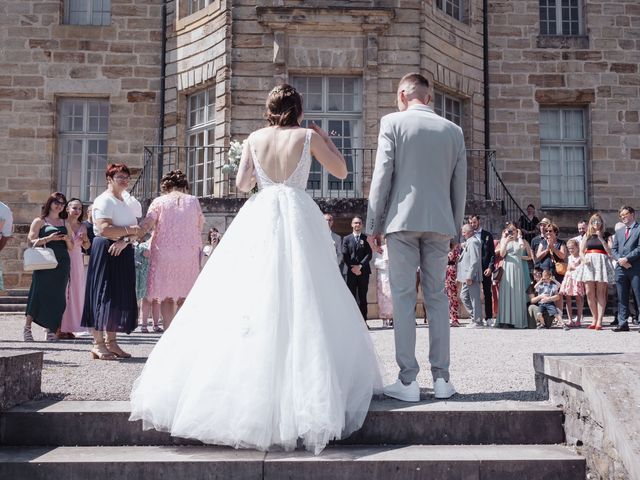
(333, 19)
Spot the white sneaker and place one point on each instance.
(400, 391)
(443, 389)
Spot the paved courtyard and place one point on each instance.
(486, 364)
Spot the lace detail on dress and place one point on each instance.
(297, 179)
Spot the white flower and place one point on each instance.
(234, 155)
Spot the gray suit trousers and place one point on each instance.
(408, 251)
(470, 296)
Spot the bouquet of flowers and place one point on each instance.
(234, 155)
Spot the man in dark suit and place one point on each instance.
(626, 250)
(356, 253)
(488, 258)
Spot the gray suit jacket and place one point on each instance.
(419, 181)
(470, 261)
(629, 248)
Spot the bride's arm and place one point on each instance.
(324, 150)
(245, 178)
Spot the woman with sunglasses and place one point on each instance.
(110, 304)
(596, 271)
(47, 295)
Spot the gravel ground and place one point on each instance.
(486, 364)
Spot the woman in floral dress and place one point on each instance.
(451, 284)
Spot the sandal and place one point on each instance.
(158, 329)
(100, 352)
(27, 336)
(144, 329)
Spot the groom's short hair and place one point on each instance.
(415, 86)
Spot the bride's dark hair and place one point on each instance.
(284, 106)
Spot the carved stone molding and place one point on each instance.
(334, 19)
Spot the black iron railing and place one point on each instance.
(208, 176)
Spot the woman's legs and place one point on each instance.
(601, 298)
(99, 350)
(113, 347)
(579, 308)
(567, 299)
(590, 288)
(27, 335)
(168, 311)
(155, 312)
(146, 307)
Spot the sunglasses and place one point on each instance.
(59, 202)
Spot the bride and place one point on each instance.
(269, 346)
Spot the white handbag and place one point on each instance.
(39, 258)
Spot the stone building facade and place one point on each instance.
(77, 89)
(175, 81)
(564, 104)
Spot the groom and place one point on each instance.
(417, 199)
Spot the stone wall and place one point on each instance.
(42, 60)
(597, 71)
(198, 49)
(598, 394)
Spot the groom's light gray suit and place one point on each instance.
(470, 268)
(417, 198)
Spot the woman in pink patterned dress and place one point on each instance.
(451, 284)
(176, 219)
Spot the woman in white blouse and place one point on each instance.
(110, 304)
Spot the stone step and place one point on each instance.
(15, 292)
(90, 423)
(10, 300)
(416, 462)
(13, 308)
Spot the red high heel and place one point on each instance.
(598, 327)
(592, 326)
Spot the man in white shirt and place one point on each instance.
(6, 231)
(582, 229)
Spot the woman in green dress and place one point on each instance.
(47, 295)
(512, 310)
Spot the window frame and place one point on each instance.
(564, 145)
(87, 190)
(201, 185)
(460, 5)
(205, 4)
(89, 14)
(445, 96)
(322, 118)
(559, 22)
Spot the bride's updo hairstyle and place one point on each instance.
(174, 180)
(284, 106)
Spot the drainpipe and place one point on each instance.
(163, 71)
(485, 65)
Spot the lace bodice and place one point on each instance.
(298, 179)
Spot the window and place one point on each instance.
(560, 17)
(82, 149)
(196, 5)
(563, 156)
(87, 12)
(453, 8)
(335, 103)
(200, 134)
(448, 107)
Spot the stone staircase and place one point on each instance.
(14, 301)
(429, 440)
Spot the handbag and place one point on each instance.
(561, 267)
(39, 258)
(496, 275)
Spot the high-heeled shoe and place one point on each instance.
(592, 326)
(100, 352)
(598, 327)
(115, 349)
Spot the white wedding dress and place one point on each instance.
(269, 346)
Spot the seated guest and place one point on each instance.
(547, 288)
